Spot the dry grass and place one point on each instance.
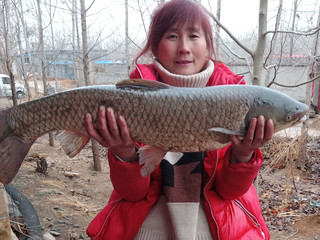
(281, 150)
(315, 123)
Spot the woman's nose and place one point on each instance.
(183, 47)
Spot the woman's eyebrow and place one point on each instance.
(174, 29)
(190, 29)
(194, 29)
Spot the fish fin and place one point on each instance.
(225, 131)
(151, 158)
(72, 142)
(12, 151)
(141, 84)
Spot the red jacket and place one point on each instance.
(230, 200)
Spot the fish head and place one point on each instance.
(284, 110)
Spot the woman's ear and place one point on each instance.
(207, 54)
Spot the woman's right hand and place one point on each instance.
(112, 133)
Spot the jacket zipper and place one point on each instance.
(251, 216)
(204, 193)
(117, 202)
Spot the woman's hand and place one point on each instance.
(112, 133)
(257, 135)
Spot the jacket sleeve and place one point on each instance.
(127, 180)
(222, 75)
(232, 180)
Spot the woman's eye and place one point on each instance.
(172, 36)
(194, 36)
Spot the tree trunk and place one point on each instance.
(21, 55)
(85, 54)
(43, 61)
(217, 48)
(53, 50)
(305, 126)
(74, 45)
(7, 57)
(127, 38)
(258, 55)
(28, 49)
(95, 146)
(295, 7)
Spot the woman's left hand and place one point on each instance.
(259, 132)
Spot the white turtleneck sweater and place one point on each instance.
(195, 80)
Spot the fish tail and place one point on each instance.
(12, 151)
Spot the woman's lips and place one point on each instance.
(183, 62)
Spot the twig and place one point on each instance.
(292, 234)
(307, 33)
(297, 85)
(251, 53)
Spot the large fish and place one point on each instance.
(163, 117)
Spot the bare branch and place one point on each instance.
(90, 5)
(251, 53)
(306, 33)
(297, 85)
(141, 15)
(104, 55)
(230, 50)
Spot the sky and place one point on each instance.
(240, 17)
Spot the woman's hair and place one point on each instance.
(180, 12)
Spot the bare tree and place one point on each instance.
(127, 37)
(27, 47)
(43, 61)
(95, 146)
(51, 15)
(21, 51)
(313, 68)
(273, 43)
(295, 7)
(217, 26)
(5, 9)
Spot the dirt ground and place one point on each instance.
(290, 196)
(64, 204)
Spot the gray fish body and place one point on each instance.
(170, 118)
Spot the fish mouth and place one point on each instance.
(303, 118)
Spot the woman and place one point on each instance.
(217, 199)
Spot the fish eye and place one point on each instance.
(288, 117)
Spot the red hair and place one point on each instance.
(180, 12)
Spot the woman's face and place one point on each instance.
(183, 50)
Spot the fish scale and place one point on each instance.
(164, 117)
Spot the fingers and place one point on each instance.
(112, 122)
(251, 132)
(235, 140)
(92, 132)
(108, 126)
(258, 133)
(111, 131)
(269, 130)
(124, 132)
